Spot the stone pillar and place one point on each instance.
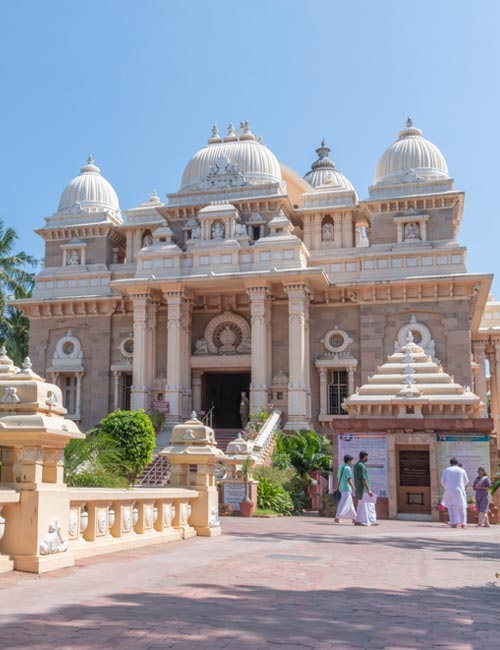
(316, 232)
(196, 388)
(323, 391)
(259, 311)
(152, 309)
(478, 348)
(78, 395)
(298, 382)
(186, 331)
(307, 231)
(116, 389)
(350, 380)
(347, 234)
(337, 230)
(139, 389)
(174, 388)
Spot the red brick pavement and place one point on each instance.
(288, 583)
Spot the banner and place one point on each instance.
(471, 451)
(375, 444)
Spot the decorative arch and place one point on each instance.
(228, 333)
(421, 336)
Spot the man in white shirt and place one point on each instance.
(454, 480)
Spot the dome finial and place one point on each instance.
(215, 137)
(231, 133)
(409, 123)
(90, 160)
(90, 167)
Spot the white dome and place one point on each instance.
(323, 173)
(89, 192)
(410, 159)
(231, 162)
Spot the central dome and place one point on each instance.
(234, 161)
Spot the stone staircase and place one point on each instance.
(224, 436)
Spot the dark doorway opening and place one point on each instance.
(223, 392)
(414, 479)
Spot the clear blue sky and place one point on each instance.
(139, 84)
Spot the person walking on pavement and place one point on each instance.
(345, 508)
(366, 513)
(454, 480)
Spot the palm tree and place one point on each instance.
(15, 282)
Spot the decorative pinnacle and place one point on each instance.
(27, 365)
(230, 129)
(194, 415)
(215, 131)
(90, 160)
(409, 123)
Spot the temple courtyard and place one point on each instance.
(296, 582)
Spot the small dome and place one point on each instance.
(89, 192)
(237, 159)
(323, 172)
(410, 159)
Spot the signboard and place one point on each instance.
(375, 444)
(471, 451)
(414, 469)
(234, 493)
(160, 405)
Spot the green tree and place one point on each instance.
(16, 281)
(135, 436)
(306, 450)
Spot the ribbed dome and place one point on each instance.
(231, 162)
(410, 159)
(89, 191)
(323, 172)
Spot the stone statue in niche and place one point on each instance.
(412, 232)
(196, 232)
(241, 230)
(74, 259)
(201, 346)
(147, 241)
(327, 232)
(217, 230)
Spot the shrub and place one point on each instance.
(289, 480)
(94, 462)
(135, 436)
(273, 496)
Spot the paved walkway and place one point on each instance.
(289, 583)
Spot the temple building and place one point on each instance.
(252, 277)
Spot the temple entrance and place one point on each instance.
(414, 479)
(222, 390)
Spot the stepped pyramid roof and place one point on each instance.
(411, 384)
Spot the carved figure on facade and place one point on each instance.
(147, 240)
(412, 231)
(217, 230)
(74, 259)
(196, 232)
(201, 346)
(53, 541)
(222, 174)
(10, 396)
(327, 232)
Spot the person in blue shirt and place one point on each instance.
(345, 509)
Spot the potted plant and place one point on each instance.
(247, 506)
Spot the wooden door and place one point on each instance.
(414, 478)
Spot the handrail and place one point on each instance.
(208, 418)
(267, 432)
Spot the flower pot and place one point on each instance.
(247, 508)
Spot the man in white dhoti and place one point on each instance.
(366, 513)
(345, 508)
(454, 480)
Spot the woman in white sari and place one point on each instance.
(345, 508)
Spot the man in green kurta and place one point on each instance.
(365, 514)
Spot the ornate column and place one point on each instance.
(139, 389)
(78, 395)
(174, 388)
(323, 391)
(186, 330)
(259, 312)
(478, 348)
(116, 389)
(150, 361)
(347, 238)
(307, 231)
(298, 305)
(196, 388)
(350, 380)
(337, 230)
